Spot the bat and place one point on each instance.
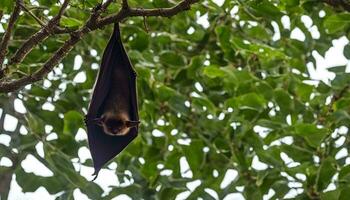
(115, 119)
(112, 118)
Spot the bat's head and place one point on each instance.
(116, 126)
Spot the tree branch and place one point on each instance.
(7, 36)
(62, 9)
(1, 14)
(51, 28)
(105, 5)
(132, 12)
(92, 24)
(47, 67)
(340, 95)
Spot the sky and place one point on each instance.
(107, 177)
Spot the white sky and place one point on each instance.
(107, 177)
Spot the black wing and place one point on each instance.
(102, 146)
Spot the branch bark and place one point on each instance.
(92, 24)
(133, 12)
(40, 36)
(5, 40)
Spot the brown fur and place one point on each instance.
(115, 118)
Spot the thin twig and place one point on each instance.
(5, 40)
(62, 9)
(340, 95)
(40, 36)
(145, 23)
(335, 98)
(1, 14)
(32, 15)
(105, 5)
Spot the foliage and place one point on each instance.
(238, 90)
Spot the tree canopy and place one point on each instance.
(226, 87)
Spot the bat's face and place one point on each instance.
(116, 126)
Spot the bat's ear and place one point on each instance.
(99, 121)
(130, 124)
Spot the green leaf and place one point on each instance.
(172, 59)
(73, 120)
(267, 8)
(39, 91)
(140, 41)
(36, 125)
(345, 193)
(6, 5)
(252, 101)
(313, 135)
(5, 151)
(337, 69)
(169, 192)
(297, 153)
(304, 91)
(165, 93)
(326, 172)
(194, 155)
(323, 88)
(203, 101)
(292, 3)
(70, 22)
(331, 195)
(337, 22)
(177, 104)
(347, 51)
(213, 72)
(344, 174)
(30, 182)
(284, 101)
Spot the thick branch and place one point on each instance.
(164, 12)
(41, 35)
(7, 36)
(92, 24)
(48, 66)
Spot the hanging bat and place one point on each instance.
(113, 107)
(115, 119)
